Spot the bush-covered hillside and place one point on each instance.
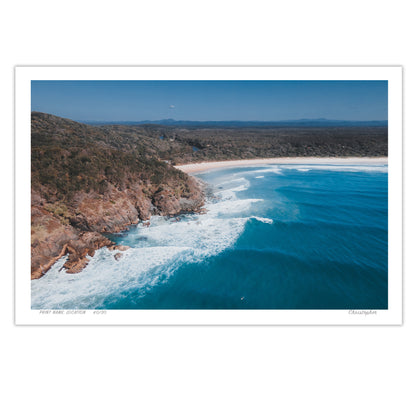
(89, 180)
(68, 157)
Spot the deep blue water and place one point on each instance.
(274, 237)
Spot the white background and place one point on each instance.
(206, 370)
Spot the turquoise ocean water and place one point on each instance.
(273, 237)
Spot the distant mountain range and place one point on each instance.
(303, 122)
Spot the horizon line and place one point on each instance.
(233, 120)
(215, 121)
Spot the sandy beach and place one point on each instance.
(203, 166)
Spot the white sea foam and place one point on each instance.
(231, 206)
(233, 181)
(103, 275)
(169, 245)
(269, 169)
(240, 188)
(259, 177)
(205, 232)
(225, 192)
(339, 168)
(157, 251)
(264, 220)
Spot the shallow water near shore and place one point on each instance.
(274, 237)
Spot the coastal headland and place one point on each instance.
(87, 182)
(90, 181)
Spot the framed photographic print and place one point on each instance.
(208, 195)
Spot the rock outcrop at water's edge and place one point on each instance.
(86, 182)
(78, 234)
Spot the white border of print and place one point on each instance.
(24, 315)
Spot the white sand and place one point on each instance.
(203, 166)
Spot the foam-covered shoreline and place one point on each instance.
(156, 251)
(203, 166)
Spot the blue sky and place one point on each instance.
(211, 100)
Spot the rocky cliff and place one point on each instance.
(89, 180)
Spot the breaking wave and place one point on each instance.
(263, 220)
(339, 168)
